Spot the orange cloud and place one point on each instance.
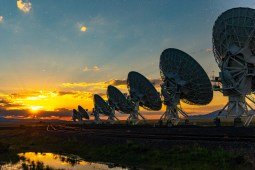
(81, 93)
(24, 6)
(44, 100)
(120, 83)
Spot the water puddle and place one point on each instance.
(32, 160)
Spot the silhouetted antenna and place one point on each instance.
(101, 107)
(75, 115)
(183, 79)
(234, 51)
(118, 100)
(83, 112)
(142, 93)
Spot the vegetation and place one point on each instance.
(194, 157)
(27, 139)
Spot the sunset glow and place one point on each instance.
(35, 109)
(56, 56)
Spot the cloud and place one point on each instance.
(59, 112)
(116, 82)
(13, 113)
(208, 50)
(85, 84)
(7, 103)
(203, 50)
(83, 28)
(98, 20)
(94, 86)
(24, 6)
(24, 113)
(93, 69)
(62, 93)
(45, 95)
(1, 19)
(102, 84)
(156, 82)
(201, 109)
(29, 99)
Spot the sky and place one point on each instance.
(54, 55)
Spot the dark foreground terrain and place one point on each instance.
(145, 147)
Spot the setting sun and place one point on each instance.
(35, 109)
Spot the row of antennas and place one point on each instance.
(184, 79)
(180, 82)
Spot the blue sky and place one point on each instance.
(43, 48)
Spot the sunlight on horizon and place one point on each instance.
(35, 109)
(56, 56)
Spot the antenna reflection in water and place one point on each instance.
(34, 160)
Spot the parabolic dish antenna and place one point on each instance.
(183, 79)
(101, 107)
(117, 100)
(83, 112)
(76, 115)
(143, 93)
(234, 51)
(80, 114)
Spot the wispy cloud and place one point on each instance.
(93, 24)
(24, 6)
(120, 83)
(85, 84)
(1, 19)
(95, 87)
(203, 50)
(201, 109)
(116, 82)
(98, 20)
(101, 85)
(24, 114)
(9, 103)
(93, 69)
(208, 50)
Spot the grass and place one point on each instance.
(194, 157)
(33, 139)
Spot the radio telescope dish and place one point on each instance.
(101, 107)
(96, 115)
(234, 51)
(76, 115)
(143, 93)
(117, 100)
(80, 114)
(83, 112)
(183, 79)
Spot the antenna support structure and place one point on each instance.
(234, 51)
(135, 116)
(141, 93)
(172, 101)
(183, 79)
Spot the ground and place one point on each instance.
(145, 147)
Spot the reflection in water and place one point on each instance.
(33, 160)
